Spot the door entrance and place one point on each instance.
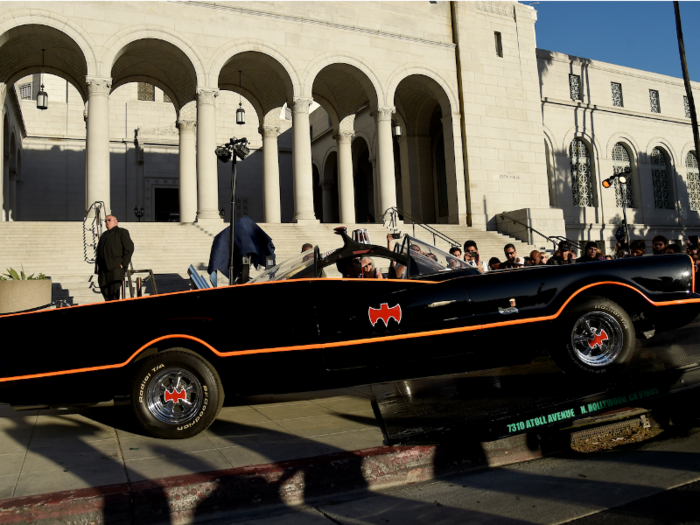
(167, 205)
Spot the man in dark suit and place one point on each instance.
(113, 256)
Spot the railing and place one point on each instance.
(554, 239)
(95, 229)
(393, 215)
(137, 290)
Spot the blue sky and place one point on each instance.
(641, 35)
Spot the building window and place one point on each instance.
(581, 177)
(575, 87)
(659, 179)
(146, 92)
(691, 162)
(25, 91)
(166, 98)
(616, 94)
(499, 43)
(654, 101)
(686, 106)
(621, 162)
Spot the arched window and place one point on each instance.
(659, 179)
(581, 177)
(621, 162)
(691, 162)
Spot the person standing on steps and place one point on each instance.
(114, 251)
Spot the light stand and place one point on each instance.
(235, 149)
(621, 179)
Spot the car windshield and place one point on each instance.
(429, 259)
(299, 266)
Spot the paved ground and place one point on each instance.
(57, 450)
(631, 484)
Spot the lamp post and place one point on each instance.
(240, 112)
(42, 98)
(235, 149)
(621, 179)
(138, 213)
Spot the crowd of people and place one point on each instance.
(469, 256)
(566, 254)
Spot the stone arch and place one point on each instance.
(625, 138)
(369, 80)
(149, 80)
(324, 164)
(687, 148)
(666, 146)
(24, 17)
(403, 72)
(250, 97)
(225, 54)
(21, 54)
(361, 134)
(117, 44)
(430, 181)
(173, 65)
(592, 143)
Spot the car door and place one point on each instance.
(371, 323)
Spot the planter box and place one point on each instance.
(22, 295)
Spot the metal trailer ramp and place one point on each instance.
(501, 402)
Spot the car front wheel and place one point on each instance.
(176, 394)
(599, 339)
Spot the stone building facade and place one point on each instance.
(447, 110)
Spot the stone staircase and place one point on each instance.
(56, 249)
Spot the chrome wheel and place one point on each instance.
(597, 339)
(174, 396)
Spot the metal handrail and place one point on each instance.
(554, 239)
(95, 229)
(139, 282)
(393, 219)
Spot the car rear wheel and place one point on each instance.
(176, 394)
(599, 339)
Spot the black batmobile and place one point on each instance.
(172, 356)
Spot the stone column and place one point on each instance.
(85, 119)
(188, 171)
(346, 187)
(385, 158)
(2, 151)
(456, 190)
(271, 175)
(98, 180)
(301, 162)
(207, 175)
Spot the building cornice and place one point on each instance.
(311, 21)
(553, 56)
(616, 110)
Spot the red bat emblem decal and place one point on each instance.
(384, 313)
(598, 339)
(176, 395)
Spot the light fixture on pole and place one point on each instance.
(240, 112)
(621, 179)
(42, 99)
(235, 149)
